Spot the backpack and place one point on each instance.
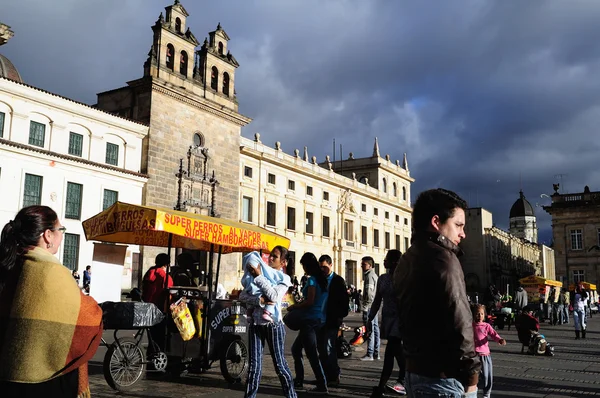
(539, 346)
(343, 348)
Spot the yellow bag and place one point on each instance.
(183, 319)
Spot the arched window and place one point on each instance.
(170, 56)
(178, 25)
(384, 185)
(221, 48)
(226, 83)
(403, 193)
(214, 78)
(395, 189)
(183, 63)
(198, 139)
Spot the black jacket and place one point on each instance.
(337, 302)
(436, 323)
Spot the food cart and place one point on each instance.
(538, 288)
(220, 324)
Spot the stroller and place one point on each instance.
(529, 336)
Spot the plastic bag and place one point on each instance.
(183, 319)
(130, 315)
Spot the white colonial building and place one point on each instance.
(69, 156)
(347, 209)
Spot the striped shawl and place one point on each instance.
(48, 327)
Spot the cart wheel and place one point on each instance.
(234, 360)
(123, 367)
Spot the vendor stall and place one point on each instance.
(538, 288)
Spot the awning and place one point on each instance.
(149, 226)
(538, 280)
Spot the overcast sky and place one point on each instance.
(480, 94)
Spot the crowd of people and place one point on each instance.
(443, 355)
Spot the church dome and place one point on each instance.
(521, 208)
(8, 70)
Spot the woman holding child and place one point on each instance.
(262, 295)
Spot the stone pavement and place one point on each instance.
(574, 371)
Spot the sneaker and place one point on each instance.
(367, 358)
(377, 357)
(318, 391)
(298, 384)
(397, 387)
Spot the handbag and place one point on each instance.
(294, 319)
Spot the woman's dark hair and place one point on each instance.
(435, 202)
(311, 265)
(21, 234)
(283, 253)
(393, 259)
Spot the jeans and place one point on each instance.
(418, 386)
(560, 309)
(566, 313)
(373, 341)
(579, 319)
(487, 374)
(327, 340)
(307, 340)
(274, 334)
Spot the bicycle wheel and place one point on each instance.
(234, 360)
(123, 367)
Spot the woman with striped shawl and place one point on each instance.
(48, 328)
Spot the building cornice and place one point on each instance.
(206, 106)
(78, 108)
(55, 155)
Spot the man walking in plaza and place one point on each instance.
(336, 309)
(369, 289)
(435, 319)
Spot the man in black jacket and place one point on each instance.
(435, 319)
(336, 309)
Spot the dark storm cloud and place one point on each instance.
(485, 97)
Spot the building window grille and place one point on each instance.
(247, 209)
(326, 226)
(37, 134)
(110, 198)
(75, 144)
(112, 154)
(71, 251)
(271, 214)
(578, 275)
(73, 202)
(576, 239)
(32, 192)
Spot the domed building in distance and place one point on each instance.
(522, 221)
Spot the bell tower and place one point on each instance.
(218, 65)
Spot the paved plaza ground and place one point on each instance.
(574, 371)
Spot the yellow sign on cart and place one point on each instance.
(149, 226)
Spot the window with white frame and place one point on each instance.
(292, 185)
(75, 144)
(576, 239)
(1, 124)
(248, 171)
(37, 134)
(376, 238)
(271, 178)
(32, 190)
(291, 218)
(578, 275)
(326, 226)
(73, 202)
(309, 191)
(348, 230)
(71, 251)
(112, 154)
(363, 235)
(247, 209)
(109, 199)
